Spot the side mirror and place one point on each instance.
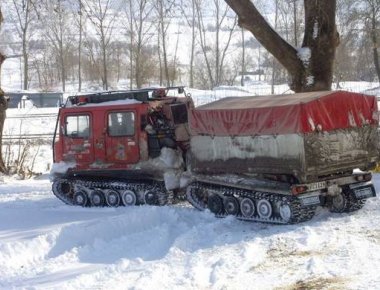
(181, 90)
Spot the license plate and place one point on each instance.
(316, 186)
(310, 200)
(364, 192)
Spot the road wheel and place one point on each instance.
(231, 205)
(112, 198)
(129, 198)
(215, 204)
(64, 187)
(247, 207)
(285, 211)
(151, 197)
(264, 209)
(80, 198)
(97, 198)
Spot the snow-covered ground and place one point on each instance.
(45, 244)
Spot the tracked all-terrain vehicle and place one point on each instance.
(269, 158)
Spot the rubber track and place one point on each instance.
(353, 204)
(299, 213)
(137, 187)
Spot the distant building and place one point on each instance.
(256, 75)
(39, 100)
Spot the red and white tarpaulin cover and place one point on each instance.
(284, 114)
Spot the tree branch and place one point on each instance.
(251, 19)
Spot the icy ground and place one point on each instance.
(45, 244)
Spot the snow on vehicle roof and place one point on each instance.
(264, 101)
(111, 103)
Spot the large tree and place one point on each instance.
(311, 65)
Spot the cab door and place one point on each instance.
(77, 139)
(122, 137)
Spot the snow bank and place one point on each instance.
(61, 167)
(45, 244)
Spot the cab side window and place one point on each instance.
(121, 124)
(78, 126)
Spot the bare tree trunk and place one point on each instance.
(375, 44)
(139, 47)
(3, 108)
(191, 22)
(138, 26)
(61, 49)
(159, 55)
(25, 62)
(118, 59)
(163, 38)
(164, 52)
(273, 60)
(80, 46)
(104, 61)
(315, 71)
(99, 13)
(137, 70)
(24, 18)
(217, 53)
(243, 58)
(192, 45)
(202, 38)
(227, 45)
(173, 77)
(131, 48)
(214, 62)
(62, 57)
(295, 23)
(57, 33)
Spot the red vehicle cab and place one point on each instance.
(101, 137)
(117, 130)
